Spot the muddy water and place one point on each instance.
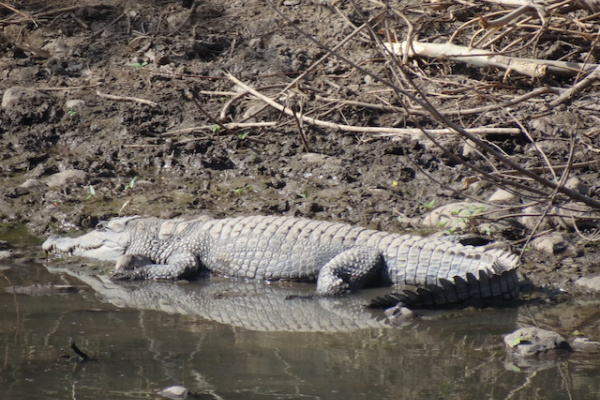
(143, 338)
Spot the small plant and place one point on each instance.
(428, 205)
(138, 65)
(241, 190)
(71, 113)
(130, 184)
(215, 129)
(92, 193)
(244, 135)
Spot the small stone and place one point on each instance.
(30, 183)
(536, 342)
(582, 344)
(501, 195)
(399, 314)
(457, 216)
(589, 283)
(554, 243)
(14, 96)
(174, 392)
(6, 250)
(74, 105)
(530, 218)
(574, 183)
(68, 177)
(574, 212)
(469, 148)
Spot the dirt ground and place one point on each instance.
(97, 121)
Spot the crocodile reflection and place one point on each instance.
(252, 305)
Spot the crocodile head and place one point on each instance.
(108, 241)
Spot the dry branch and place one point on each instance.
(488, 59)
(366, 129)
(569, 93)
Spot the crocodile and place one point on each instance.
(339, 257)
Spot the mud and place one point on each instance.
(72, 155)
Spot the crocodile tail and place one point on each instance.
(503, 261)
(496, 289)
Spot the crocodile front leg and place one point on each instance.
(135, 267)
(351, 269)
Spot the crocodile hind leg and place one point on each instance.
(352, 269)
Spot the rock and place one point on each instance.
(30, 183)
(15, 96)
(174, 392)
(6, 250)
(577, 213)
(589, 283)
(582, 344)
(74, 105)
(501, 195)
(536, 342)
(469, 148)
(66, 178)
(574, 183)
(457, 216)
(554, 243)
(530, 218)
(320, 159)
(399, 314)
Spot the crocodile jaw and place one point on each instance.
(102, 249)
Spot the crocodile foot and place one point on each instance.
(126, 275)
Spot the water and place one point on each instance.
(242, 340)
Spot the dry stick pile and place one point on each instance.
(498, 40)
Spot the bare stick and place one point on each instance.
(66, 89)
(382, 131)
(21, 13)
(126, 98)
(231, 125)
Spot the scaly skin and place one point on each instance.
(338, 257)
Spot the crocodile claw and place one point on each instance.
(126, 275)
